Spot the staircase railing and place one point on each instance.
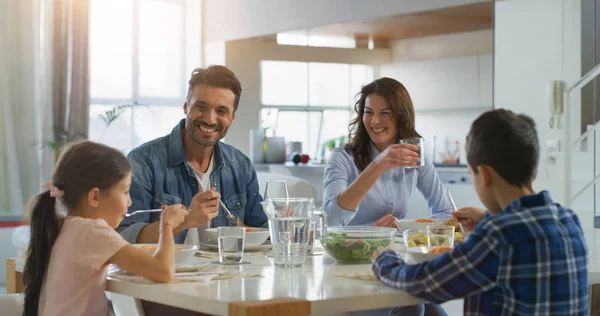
(568, 144)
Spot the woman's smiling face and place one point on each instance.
(380, 122)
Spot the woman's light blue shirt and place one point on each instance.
(390, 194)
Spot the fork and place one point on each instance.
(144, 211)
(229, 215)
(460, 225)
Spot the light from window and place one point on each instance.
(305, 126)
(161, 49)
(335, 124)
(326, 102)
(329, 84)
(149, 122)
(304, 38)
(360, 75)
(111, 49)
(284, 83)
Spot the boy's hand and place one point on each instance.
(469, 216)
(173, 215)
(377, 252)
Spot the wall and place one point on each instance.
(527, 57)
(243, 58)
(446, 125)
(444, 46)
(239, 19)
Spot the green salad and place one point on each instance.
(353, 250)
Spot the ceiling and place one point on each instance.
(472, 17)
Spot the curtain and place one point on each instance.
(71, 89)
(44, 91)
(25, 91)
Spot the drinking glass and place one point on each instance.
(289, 226)
(231, 244)
(276, 189)
(440, 235)
(417, 141)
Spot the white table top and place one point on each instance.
(313, 282)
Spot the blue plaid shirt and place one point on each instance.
(530, 259)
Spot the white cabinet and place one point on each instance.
(437, 84)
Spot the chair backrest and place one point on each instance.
(297, 187)
(11, 304)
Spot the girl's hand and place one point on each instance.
(396, 156)
(173, 215)
(387, 221)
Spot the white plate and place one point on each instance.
(263, 247)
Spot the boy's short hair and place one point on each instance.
(507, 142)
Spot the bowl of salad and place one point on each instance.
(356, 244)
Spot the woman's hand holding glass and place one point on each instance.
(397, 156)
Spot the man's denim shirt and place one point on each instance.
(162, 176)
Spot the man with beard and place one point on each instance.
(192, 167)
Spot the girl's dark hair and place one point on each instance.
(81, 167)
(402, 108)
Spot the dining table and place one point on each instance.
(256, 287)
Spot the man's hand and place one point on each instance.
(388, 221)
(203, 208)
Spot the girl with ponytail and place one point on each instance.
(68, 255)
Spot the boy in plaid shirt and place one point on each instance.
(525, 256)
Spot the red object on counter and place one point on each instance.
(305, 158)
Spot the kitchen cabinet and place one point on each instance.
(440, 84)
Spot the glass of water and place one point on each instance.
(420, 142)
(231, 244)
(440, 236)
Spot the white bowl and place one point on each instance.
(421, 254)
(183, 253)
(252, 239)
(409, 223)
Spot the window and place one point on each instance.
(310, 102)
(138, 55)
